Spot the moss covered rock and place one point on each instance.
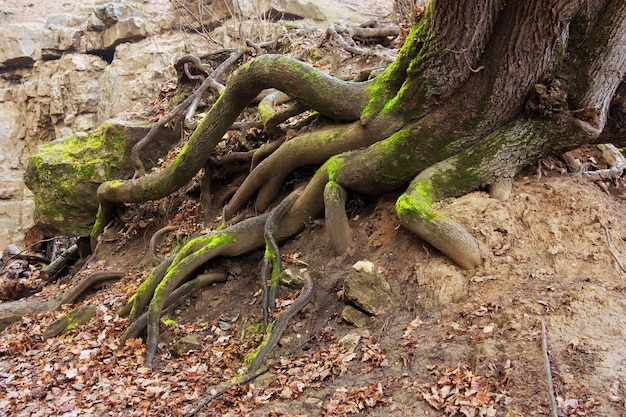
(65, 174)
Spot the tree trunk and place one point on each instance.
(479, 90)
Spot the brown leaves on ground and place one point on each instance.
(460, 392)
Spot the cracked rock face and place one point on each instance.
(68, 67)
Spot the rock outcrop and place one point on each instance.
(86, 62)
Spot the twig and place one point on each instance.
(225, 390)
(607, 235)
(544, 344)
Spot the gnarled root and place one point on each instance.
(238, 239)
(417, 214)
(272, 261)
(10, 312)
(276, 329)
(174, 299)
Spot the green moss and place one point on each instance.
(334, 165)
(249, 359)
(417, 202)
(64, 175)
(559, 50)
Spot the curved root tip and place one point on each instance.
(501, 189)
(446, 235)
(416, 213)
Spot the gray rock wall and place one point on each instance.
(91, 60)
(69, 74)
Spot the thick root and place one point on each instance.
(417, 214)
(336, 219)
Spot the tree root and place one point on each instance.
(276, 330)
(174, 300)
(68, 321)
(612, 156)
(417, 214)
(272, 261)
(190, 103)
(270, 117)
(155, 238)
(11, 312)
(336, 219)
(312, 89)
(335, 31)
(312, 148)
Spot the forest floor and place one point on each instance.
(452, 342)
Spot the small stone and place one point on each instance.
(368, 292)
(186, 344)
(354, 316)
(351, 340)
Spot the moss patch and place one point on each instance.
(65, 174)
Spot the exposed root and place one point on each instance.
(375, 34)
(272, 261)
(271, 117)
(155, 239)
(174, 300)
(312, 148)
(68, 321)
(612, 156)
(336, 219)
(278, 327)
(314, 89)
(10, 312)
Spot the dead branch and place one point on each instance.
(607, 235)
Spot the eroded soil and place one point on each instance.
(547, 261)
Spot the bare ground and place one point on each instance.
(546, 260)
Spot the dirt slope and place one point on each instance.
(474, 333)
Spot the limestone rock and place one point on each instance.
(202, 14)
(354, 316)
(20, 44)
(61, 33)
(65, 174)
(132, 80)
(367, 291)
(112, 24)
(295, 9)
(186, 344)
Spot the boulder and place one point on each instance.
(64, 174)
(112, 24)
(367, 291)
(294, 10)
